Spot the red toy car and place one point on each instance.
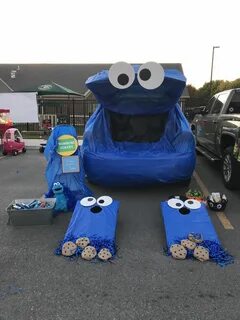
(13, 142)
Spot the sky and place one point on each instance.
(108, 31)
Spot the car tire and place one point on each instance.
(230, 169)
(14, 153)
(4, 153)
(24, 150)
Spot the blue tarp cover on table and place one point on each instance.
(112, 159)
(73, 183)
(100, 227)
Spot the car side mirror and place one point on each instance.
(200, 110)
(203, 110)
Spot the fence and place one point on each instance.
(76, 111)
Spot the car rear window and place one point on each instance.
(234, 105)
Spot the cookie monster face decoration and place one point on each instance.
(184, 205)
(91, 231)
(190, 233)
(96, 206)
(57, 188)
(217, 201)
(138, 134)
(61, 201)
(183, 216)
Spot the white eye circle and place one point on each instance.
(150, 75)
(88, 201)
(104, 201)
(192, 204)
(121, 75)
(175, 203)
(219, 206)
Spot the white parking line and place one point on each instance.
(224, 220)
(221, 215)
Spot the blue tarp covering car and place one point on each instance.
(138, 135)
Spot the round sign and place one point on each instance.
(67, 145)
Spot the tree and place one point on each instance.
(199, 97)
(192, 90)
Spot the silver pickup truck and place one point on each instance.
(217, 132)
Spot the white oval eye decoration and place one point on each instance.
(104, 201)
(150, 75)
(192, 204)
(175, 203)
(121, 75)
(88, 201)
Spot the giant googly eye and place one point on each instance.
(175, 203)
(150, 75)
(88, 201)
(104, 201)
(121, 75)
(192, 204)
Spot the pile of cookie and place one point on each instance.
(190, 247)
(88, 252)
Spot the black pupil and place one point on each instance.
(178, 204)
(190, 202)
(90, 199)
(123, 79)
(101, 201)
(145, 74)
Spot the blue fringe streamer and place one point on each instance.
(216, 252)
(95, 241)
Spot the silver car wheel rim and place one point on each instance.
(227, 168)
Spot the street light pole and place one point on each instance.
(214, 47)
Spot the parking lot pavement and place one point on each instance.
(141, 283)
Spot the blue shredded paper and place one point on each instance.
(216, 252)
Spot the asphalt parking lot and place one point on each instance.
(141, 283)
